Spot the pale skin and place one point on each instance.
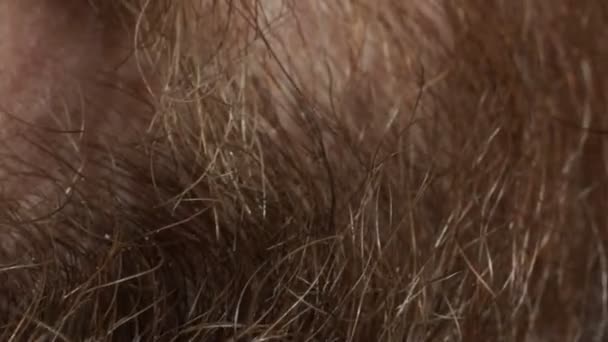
(66, 80)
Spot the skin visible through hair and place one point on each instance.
(63, 70)
(346, 170)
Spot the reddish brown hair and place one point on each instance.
(330, 170)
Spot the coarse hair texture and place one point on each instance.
(334, 170)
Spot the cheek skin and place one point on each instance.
(66, 83)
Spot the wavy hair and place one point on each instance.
(347, 170)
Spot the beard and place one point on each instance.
(333, 170)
